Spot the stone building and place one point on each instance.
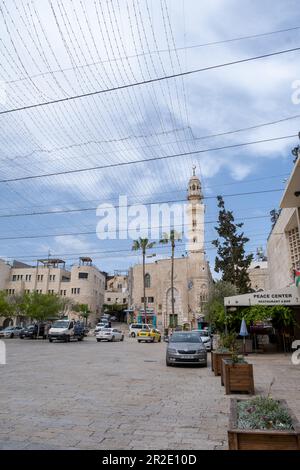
(116, 291)
(83, 283)
(259, 275)
(283, 246)
(192, 277)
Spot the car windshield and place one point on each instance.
(8, 328)
(107, 330)
(185, 338)
(61, 324)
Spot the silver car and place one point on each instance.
(186, 347)
(206, 339)
(11, 331)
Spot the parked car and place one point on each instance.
(206, 339)
(32, 331)
(134, 328)
(109, 334)
(10, 331)
(186, 347)
(113, 318)
(149, 336)
(100, 327)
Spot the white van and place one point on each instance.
(134, 328)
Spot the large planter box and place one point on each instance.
(216, 361)
(237, 377)
(252, 439)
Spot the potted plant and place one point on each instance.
(262, 423)
(224, 351)
(237, 375)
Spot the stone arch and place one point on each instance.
(7, 322)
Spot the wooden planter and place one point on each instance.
(252, 439)
(237, 377)
(216, 361)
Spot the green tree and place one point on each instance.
(5, 307)
(172, 238)
(143, 244)
(215, 310)
(41, 307)
(83, 310)
(231, 259)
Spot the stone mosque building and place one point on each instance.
(192, 277)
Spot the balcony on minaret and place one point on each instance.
(194, 188)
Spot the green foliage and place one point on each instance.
(6, 309)
(263, 413)
(142, 244)
(232, 260)
(215, 311)
(280, 315)
(41, 306)
(256, 313)
(228, 341)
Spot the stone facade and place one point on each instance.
(259, 275)
(283, 249)
(84, 283)
(116, 291)
(192, 277)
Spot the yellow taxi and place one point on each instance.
(152, 335)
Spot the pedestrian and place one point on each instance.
(46, 330)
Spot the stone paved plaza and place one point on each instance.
(93, 395)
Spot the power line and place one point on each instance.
(145, 160)
(157, 51)
(81, 253)
(109, 141)
(88, 209)
(151, 80)
(94, 232)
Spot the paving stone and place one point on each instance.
(112, 399)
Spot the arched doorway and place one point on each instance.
(173, 321)
(7, 322)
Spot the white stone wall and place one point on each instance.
(279, 260)
(259, 275)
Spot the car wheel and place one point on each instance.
(139, 340)
(50, 340)
(122, 338)
(153, 340)
(132, 334)
(112, 339)
(12, 335)
(98, 340)
(168, 363)
(159, 339)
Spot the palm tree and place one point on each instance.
(171, 237)
(143, 244)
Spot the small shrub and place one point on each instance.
(263, 413)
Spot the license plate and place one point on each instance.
(186, 357)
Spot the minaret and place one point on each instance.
(195, 216)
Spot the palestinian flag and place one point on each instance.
(297, 278)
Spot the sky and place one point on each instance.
(54, 49)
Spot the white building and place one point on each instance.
(83, 283)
